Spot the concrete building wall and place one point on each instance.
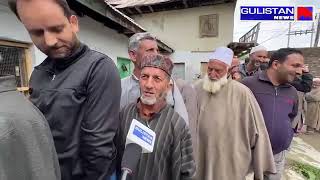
(180, 28)
(192, 61)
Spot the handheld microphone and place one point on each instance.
(139, 139)
(143, 136)
(130, 159)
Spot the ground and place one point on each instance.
(305, 149)
(313, 140)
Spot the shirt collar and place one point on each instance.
(7, 83)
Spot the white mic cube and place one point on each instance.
(141, 135)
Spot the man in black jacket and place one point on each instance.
(76, 88)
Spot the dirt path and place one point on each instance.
(312, 139)
(304, 149)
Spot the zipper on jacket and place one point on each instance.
(53, 77)
(48, 71)
(274, 106)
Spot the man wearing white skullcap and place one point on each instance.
(231, 135)
(258, 60)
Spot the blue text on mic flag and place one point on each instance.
(143, 135)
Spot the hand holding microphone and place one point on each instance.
(140, 139)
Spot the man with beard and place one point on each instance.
(77, 89)
(258, 60)
(172, 156)
(232, 137)
(142, 44)
(278, 100)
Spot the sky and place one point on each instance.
(273, 34)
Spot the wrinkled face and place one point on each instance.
(216, 70)
(146, 47)
(154, 83)
(259, 57)
(50, 30)
(289, 69)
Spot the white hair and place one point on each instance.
(134, 41)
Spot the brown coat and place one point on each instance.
(232, 137)
(313, 112)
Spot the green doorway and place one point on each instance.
(125, 67)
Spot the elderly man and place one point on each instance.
(233, 139)
(258, 60)
(313, 112)
(26, 145)
(172, 157)
(141, 44)
(77, 89)
(278, 100)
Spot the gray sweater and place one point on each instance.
(26, 146)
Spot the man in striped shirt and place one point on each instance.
(172, 157)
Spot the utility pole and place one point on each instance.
(289, 34)
(299, 32)
(312, 29)
(316, 41)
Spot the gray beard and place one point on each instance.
(152, 100)
(148, 100)
(214, 86)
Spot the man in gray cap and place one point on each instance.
(172, 156)
(232, 137)
(142, 44)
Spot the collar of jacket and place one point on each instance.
(56, 65)
(7, 83)
(262, 75)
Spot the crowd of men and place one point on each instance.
(238, 119)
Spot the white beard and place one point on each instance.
(148, 100)
(214, 86)
(152, 100)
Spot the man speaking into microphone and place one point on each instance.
(172, 155)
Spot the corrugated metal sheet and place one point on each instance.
(127, 17)
(132, 3)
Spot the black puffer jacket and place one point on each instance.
(80, 98)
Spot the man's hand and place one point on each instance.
(305, 68)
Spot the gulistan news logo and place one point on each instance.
(277, 13)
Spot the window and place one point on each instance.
(15, 60)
